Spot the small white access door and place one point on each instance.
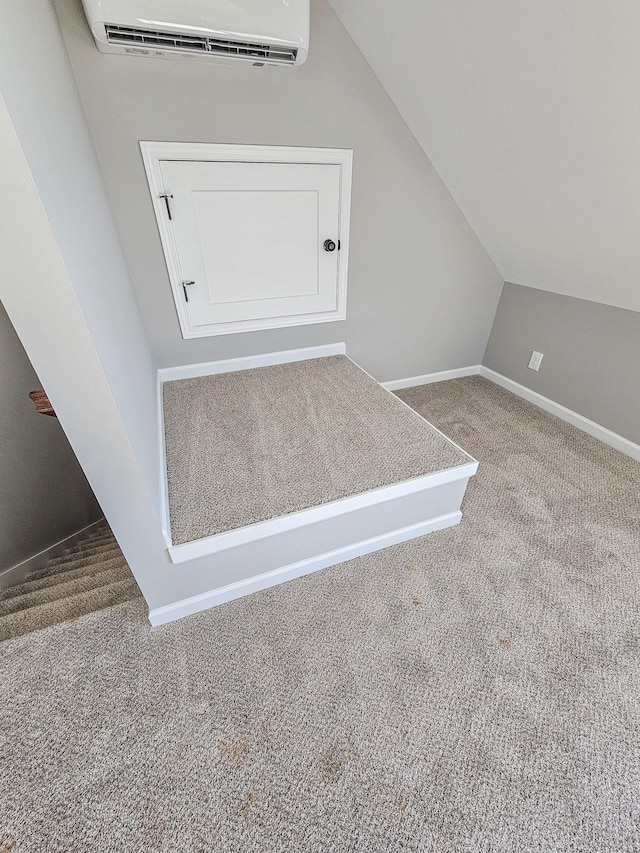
(253, 244)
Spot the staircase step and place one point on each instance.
(100, 527)
(54, 592)
(60, 577)
(89, 541)
(53, 612)
(82, 561)
(97, 530)
(94, 539)
(83, 552)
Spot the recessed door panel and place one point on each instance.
(258, 245)
(250, 237)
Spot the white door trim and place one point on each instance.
(153, 153)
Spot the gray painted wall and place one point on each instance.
(66, 288)
(43, 306)
(42, 99)
(422, 290)
(529, 112)
(591, 354)
(44, 496)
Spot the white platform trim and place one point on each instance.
(428, 378)
(162, 462)
(306, 517)
(17, 573)
(230, 365)
(188, 606)
(417, 414)
(607, 436)
(303, 542)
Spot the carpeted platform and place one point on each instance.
(257, 444)
(476, 690)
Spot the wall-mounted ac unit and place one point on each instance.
(250, 32)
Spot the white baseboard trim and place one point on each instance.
(204, 601)
(607, 436)
(15, 574)
(230, 365)
(428, 378)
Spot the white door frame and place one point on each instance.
(155, 152)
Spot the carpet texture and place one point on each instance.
(247, 446)
(88, 576)
(474, 690)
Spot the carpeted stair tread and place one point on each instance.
(55, 592)
(84, 552)
(78, 563)
(100, 527)
(90, 541)
(73, 562)
(47, 579)
(52, 612)
(90, 575)
(95, 533)
(98, 550)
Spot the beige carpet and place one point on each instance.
(247, 446)
(475, 690)
(90, 575)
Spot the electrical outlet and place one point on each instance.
(536, 360)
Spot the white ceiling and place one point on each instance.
(530, 112)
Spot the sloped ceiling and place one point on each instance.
(530, 112)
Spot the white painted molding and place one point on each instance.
(417, 414)
(306, 517)
(195, 604)
(607, 436)
(203, 151)
(428, 378)
(15, 574)
(230, 365)
(162, 463)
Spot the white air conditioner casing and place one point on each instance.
(249, 32)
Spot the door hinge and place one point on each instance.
(166, 196)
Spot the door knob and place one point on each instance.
(329, 246)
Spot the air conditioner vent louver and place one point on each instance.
(200, 44)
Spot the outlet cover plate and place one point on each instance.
(535, 360)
